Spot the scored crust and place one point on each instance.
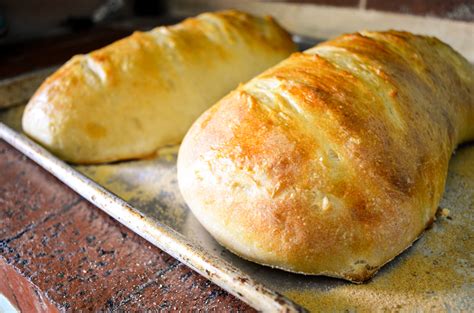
(334, 161)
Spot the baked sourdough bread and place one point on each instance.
(334, 161)
(140, 93)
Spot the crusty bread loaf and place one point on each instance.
(334, 161)
(140, 93)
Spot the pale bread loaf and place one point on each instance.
(140, 93)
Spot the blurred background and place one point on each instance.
(38, 33)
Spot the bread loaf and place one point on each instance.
(140, 93)
(334, 161)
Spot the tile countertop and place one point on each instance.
(59, 252)
(64, 252)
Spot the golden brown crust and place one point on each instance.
(142, 92)
(334, 161)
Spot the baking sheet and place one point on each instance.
(435, 274)
(16, 90)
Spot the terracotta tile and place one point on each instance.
(13, 284)
(25, 198)
(81, 259)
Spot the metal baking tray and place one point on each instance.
(435, 274)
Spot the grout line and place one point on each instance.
(362, 4)
(32, 226)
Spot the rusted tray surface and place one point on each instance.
(436, 273)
